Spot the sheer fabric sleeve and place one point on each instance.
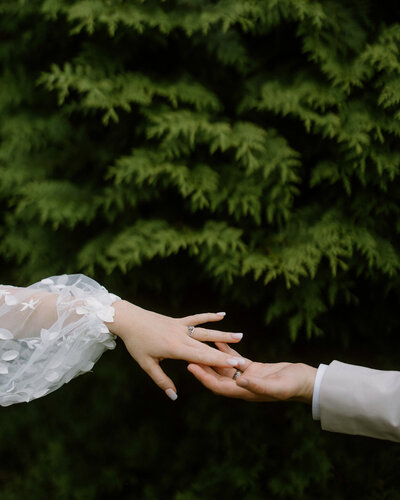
(51, 332)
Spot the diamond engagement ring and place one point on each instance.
(237, 374)
(190, 331)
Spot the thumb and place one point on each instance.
(250, 383)
(269, 387)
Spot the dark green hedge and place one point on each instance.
(198, 155)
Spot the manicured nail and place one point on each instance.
(243, 382)
(234, 361)
(237, 335)
(171, 394)
(221, 314)
(241, 362)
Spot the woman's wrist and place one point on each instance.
(123, 318)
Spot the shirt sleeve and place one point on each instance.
(51, 332)
(317, 387)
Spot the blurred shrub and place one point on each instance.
(239, 155)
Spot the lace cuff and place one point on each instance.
(51, 332)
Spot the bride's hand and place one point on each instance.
(258, 381)
(151, 337)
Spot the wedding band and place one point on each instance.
(190, 331)
(237, 374)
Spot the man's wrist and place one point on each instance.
(311, 373)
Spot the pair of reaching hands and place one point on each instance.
(151, 337)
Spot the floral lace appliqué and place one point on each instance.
(94, 306)
(30, 305)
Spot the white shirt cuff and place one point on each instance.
(317, 386)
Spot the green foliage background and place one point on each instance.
(193, 155)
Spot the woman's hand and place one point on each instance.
(151, 337)
(259, 381)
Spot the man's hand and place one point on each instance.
(259, 381)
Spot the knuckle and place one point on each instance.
(146, 365)
(161, 383)
(200, 333)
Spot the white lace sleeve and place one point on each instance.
(51, 332)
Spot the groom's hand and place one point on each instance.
(259, 381)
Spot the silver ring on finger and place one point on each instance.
(190, 331)
(237, 374)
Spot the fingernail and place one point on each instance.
(243, 382)
(221, 314)
(234, 361)
(241, 361)
(171, 394)
(237, 335)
